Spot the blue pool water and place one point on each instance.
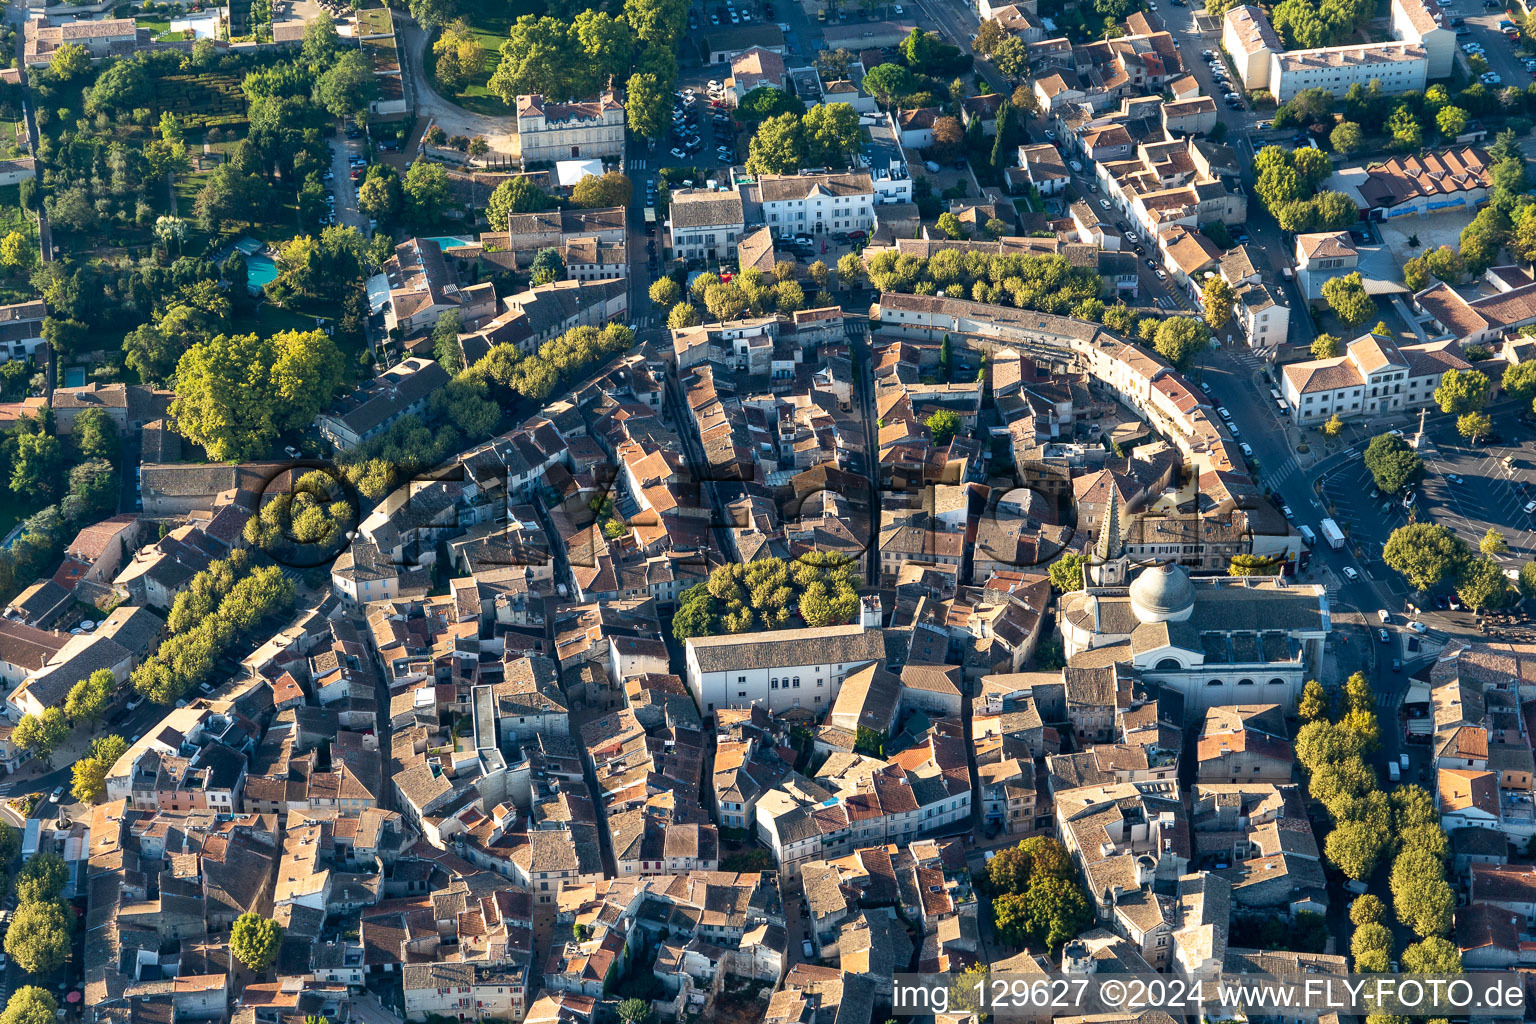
(260, 271)
(449, 242)
(74, 377)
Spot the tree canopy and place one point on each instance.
(1425, 553)
(255, 940)
(769, 593)
(1393, 464)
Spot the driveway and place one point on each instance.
(347, 213)
(500, 133)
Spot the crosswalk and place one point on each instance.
(1281, 471)
(855, 328)
(637, 164)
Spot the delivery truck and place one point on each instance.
(1332, 534)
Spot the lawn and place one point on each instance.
(490, 28)
(13, 217)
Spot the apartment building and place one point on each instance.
(782, 668)
(704, 223)
(1373, 377)
(549, 131)
(817, 203)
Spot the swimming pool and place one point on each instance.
(450, 242)
(260, 272)
(74, 377)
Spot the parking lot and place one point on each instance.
(1467, 489)
(703, 133)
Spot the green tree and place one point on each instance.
(1425, 553)
(1067, 572)
(235, 393)
(1217, 297)
(1528, 580)
(665, 293)
(943, 425)
(1367, 909)
(41, 879)
(597, 192)
(831, 134)
(36, 465)
(1347, 297)
(445, 341)
(1253, 565)
(89, 699)
(432, 13)
(1519, 380)
(1433, 955)
(1010, 913)
(1405, 129)
(1326, 346)
(631, 1011)
(1347, 138)
(683, 315)
(88, 778)
(426, 188)
(69, 62)
(1416, 274)
(1446, 264)
(778, 146)
(1393, 464)
(1425, 904)
(1370, 936)
(39, 937)
(540, 56)
(766, 101)
(456, 55)
(1322, 742)
(1462, 391)
(850, 271)
(1358, 695)
(1058, 910)
(1179, 339)
(1481, 583)
(40, 735)
(17, 252)
(254, 940)
(1493, 542)
(30, 1005)
(1451, 121)
(725, 302)
(519, 195)
(1355, 848)
(1314, 705)
(646, 104)
(547, 266)
(1333, 427)
(348, 85)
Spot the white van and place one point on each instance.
(1307, 535)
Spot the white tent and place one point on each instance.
(571, 171)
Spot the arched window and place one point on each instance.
(1245, 682)
(1277, 682)
(1215, 682)
(1169, 665)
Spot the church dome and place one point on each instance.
(1162, 593)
